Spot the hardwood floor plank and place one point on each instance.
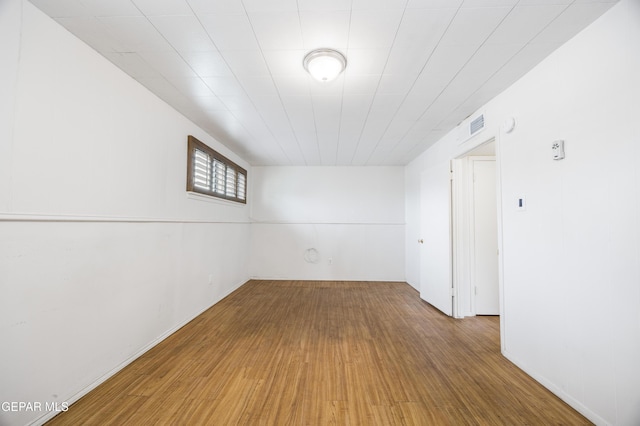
(324, 353)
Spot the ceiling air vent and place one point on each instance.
(477, 125)
(470, 127)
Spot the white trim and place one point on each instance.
(501, 288)
(276, 222)
(462, 230)
(35, 217)
(213, 199)
(459, 258)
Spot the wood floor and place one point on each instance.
(324, 353)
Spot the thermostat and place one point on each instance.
(558, 149)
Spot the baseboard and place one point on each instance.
(362, 280)
(75, 397)
(574, 403)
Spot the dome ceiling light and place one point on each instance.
(324, 64)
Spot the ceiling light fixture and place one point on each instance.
(324, 64)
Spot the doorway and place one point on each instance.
(475, 233)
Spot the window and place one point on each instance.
(211, 173)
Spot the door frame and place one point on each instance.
(461, 245)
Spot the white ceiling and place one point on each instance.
(416, 68)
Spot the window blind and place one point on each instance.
(210, 173)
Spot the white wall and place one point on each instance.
(352, 216)
(102, 253)
(571, 261)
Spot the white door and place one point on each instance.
(435, 237)
(485, 238)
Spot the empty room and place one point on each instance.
(293, 212)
